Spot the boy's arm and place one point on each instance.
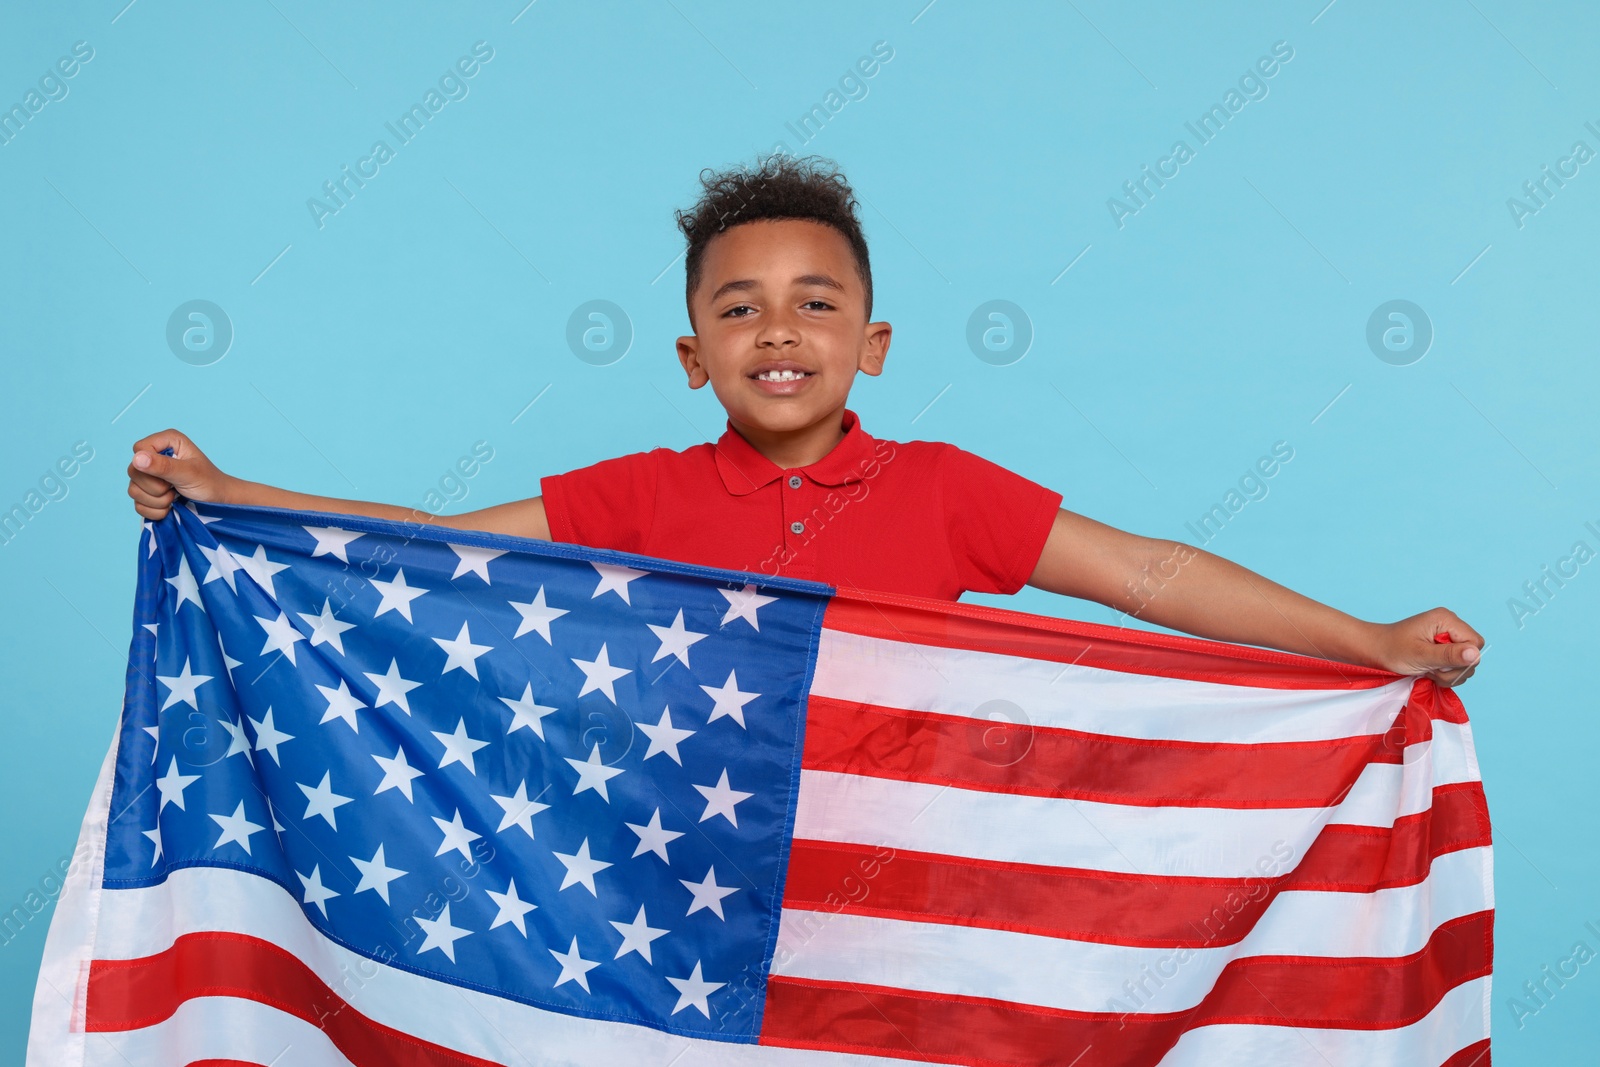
(1186, 588)
(154, 481)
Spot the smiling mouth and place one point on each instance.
(782, 375)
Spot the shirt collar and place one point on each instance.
(744, 470)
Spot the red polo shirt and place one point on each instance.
(919, 517)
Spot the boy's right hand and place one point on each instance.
(155, 480)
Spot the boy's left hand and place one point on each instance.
(1435, 643)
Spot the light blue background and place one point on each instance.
(1223, 317)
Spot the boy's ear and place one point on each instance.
(875, 348)
(689, 356)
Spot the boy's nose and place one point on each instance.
(780, 329)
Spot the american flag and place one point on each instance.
(389, 793)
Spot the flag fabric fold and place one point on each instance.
(386, 793)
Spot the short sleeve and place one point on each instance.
(610, 504)
(997, 521)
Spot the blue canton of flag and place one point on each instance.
(550, 774)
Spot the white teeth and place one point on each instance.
(781, 375)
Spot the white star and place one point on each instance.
(653, 838)
(261, 569)
(205, 520)
(155, 736)
(730, 701)
(519, 810)
(331, 541)
(598, 673)
(269, 737)
(441, 935)
(342, 704)
(325, 629)
(316, 892)
(720, 799)
(458, 747)
(456, 836)
(636, 936)
(708, 894)
(743, 604)
(228, 662)
(461, 652)
(694, 990)
(376, 874)
(537, 616)
(184, 583)
(474, 559)
(153, 627)
(397, 595)
(236, 828)
(675, 640)
(616, 579)
(581, 868)
(322, 800)
(392, 688)
(237, 741)
(574, 968)
(592, 774)
(148, 525)
(281, 636)
(526, 713)
(664, 737)
(512, 908)
(223, 564)
(155, 839)
(183, 686)
(397, 773)
(172, 784)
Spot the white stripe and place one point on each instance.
(55, 1035)
(1200, 842)
(1461, 1017)
(1070, 975)
(142, 922)
(219, 1028)
(952, 681)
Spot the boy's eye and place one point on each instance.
(820, 305)
(734, 311)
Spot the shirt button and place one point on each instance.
(794, 481)
(797, 527)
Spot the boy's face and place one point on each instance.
(781, 295)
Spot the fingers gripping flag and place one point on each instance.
(385, 793)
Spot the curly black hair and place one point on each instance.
(777, 187)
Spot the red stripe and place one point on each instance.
(130, 994)
(1126, 909)
(920, 620)
(1019, 758)
(1348, 993)
(1474, 1055)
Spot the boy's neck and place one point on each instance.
(796, 448)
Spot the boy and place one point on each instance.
(779, 293)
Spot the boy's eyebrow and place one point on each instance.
(746, 284)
